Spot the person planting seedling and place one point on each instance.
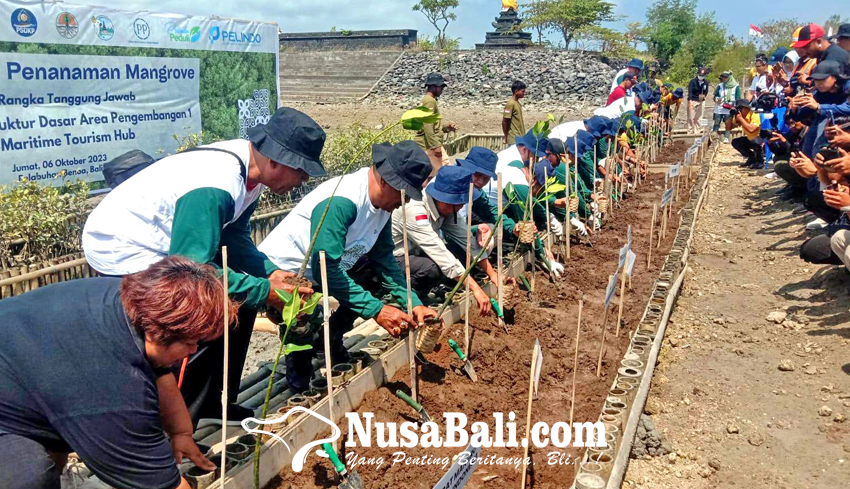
(87, 369)
(193, 203)
(356, 236)
(430, 258)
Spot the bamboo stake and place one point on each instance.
(224, 399)
(575, 361)
(411, 336)
(326, 326)
(548, 235)
(602, 344)
(568, 226)
(528, 417)
(499, 237)
(622, 297)
(468, 260)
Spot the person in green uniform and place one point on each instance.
(561, 155)
(191, 204)
(513, 125)
(430, 137)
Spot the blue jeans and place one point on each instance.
(26, 464)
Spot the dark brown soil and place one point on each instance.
(299, 281)
(673, 153)
(502, 362)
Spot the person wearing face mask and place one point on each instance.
(697, 91)
(725, 95)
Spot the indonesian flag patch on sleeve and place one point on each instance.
(422, 219)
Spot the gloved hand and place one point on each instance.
(579, 226)
(557, 269)
(594, 207)
(555, 227)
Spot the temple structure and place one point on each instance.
(507, 34)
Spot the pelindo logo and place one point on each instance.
(23, 22)
(234, 37)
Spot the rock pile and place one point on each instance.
(648, 440)
(554, 78)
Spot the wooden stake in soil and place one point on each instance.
(568, 226)
(604, 325)
(622, 297)
(326, 326)
(499, 291)
(575, 361)
(411, 335)
(224, 399)
(468, 260)
(528, 416)
(548, 235)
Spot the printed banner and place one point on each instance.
(82, 85)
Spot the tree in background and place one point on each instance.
(834, 21)
(532, 12)
(737, 57)
(775, 33)
(668, 24)
(567, 17)
(636, 33)
(706, 39)
(438, 12)
(607, 41)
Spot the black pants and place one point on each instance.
(202, 381)
(752, 150)
(791, 177)
(424, 273)
(817, 250)
(817, 206)
(781, 151)
(27, 464)
(299, 365)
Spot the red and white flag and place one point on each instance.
(755, 31)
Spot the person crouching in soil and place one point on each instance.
(85, 367)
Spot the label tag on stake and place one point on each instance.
(612, 287)
(538, 355)
(461, 471)
(630, 263)
(666, 197)
(674, 170)
(622, 260)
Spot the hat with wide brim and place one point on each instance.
(635, 63)
(291, 138)
(435, 79)
(537, 146)
(451, 185)
(843, 31)
(403, 166)
(480, 160)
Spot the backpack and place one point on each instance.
(121, 168)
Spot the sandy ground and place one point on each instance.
(485, 119)
(732, 416)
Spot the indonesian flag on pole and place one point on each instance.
(755, 31)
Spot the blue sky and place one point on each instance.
(474, 16)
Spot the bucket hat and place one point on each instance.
(291, 138)
(403, 166)
(480, 160)
(536, 145)
(451, 185)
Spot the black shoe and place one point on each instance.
(746, 163)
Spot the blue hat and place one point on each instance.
(635, 63)
(543, 169)
(451, 185)
(777, 55)
(480, 160)
(610, 128)
(585, 141)
(595, 125)
(537, 146)
(678, 93)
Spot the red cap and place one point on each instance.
(808, 34)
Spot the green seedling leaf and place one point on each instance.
(285, 296)
(311, 303)
(422, 114)
(291, 308)
(293, 348)
(412, 125)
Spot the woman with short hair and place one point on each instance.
(85, 367)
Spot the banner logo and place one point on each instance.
(104, 28)
(301, 455)
(67, 26)
(141, 29)
(23, 22)
(234, 37)
(181, 34)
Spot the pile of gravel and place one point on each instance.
(475, 78)
(648, 441)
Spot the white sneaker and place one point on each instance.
(816, 225)
(725, 140)
(771, 175)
